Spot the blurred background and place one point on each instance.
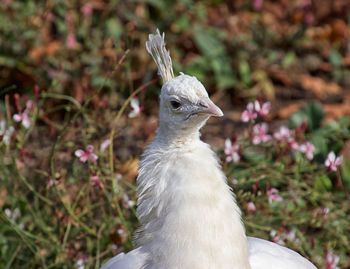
(67, 73)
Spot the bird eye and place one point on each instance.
(175, 104)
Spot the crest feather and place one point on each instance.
(156, 48)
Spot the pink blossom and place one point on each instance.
(87, 10)
(29, 105)
(104, 145)
(136, 109)
(260, 133)
(19, 164)
(85, 155)
(232, 151)
(95, 180)
(276, 238)
(80, 264)
(332, 260)
(294, 145)
(51, 182)
(121, 231)
(272, 195)
(257, 5)
(127, 203)
(308, 148)
(291, 235)
(234, 181)
(249, 113)
(283, 134)
(262, 110)
(251, 207)
(6, 133)
(71, 41)
(6, 2)
(332, 161)
(23, 117)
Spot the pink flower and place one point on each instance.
(136, 109)
(95, 180)
(332, 161)
(308, 148)
(249, 113)
(251, 207)
(85, 155)
(283, 134)
(23, 117)
(257, 5)
(332, 260)
(291, 235)
(127, 203)
(260, 133)
(87, 10)
(6, 133)
(272, 195)
(234, 181)
(276, 238)
(104, 145)
(262, 110)
(232, 151)
(71, 41)
(294, 145)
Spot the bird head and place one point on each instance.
(184, 102)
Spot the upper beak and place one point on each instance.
(206, 106)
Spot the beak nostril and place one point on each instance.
(203, 104)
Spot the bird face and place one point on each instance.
(184, 103)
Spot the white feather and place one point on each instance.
(156, 48)
(188, 215)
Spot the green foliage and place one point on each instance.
(52, 213)
(312, 114)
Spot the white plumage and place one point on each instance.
(188, 215)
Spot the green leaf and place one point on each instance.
(346, 173)
(315, 114)
(245, 73)
(320, 144)
(297, 118)
(323, 183)
(114, 29)
(289, 59)
(335, 58)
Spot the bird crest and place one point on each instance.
(156, 48)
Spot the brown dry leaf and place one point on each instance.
(3, 195)
(281, 76)
(346, 150)
(346, 61)
(129, 168)
(66, 199)
(335, 111)
(288, 110)
(48, 49)
(319, 87)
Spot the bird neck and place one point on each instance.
(188, 214)
(173, 136)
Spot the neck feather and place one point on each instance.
(188, 215)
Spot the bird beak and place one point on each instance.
(206, 106)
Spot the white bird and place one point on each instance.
(188, 214)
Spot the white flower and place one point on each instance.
(104, 145)
(136, 109)
(232, 151)
(6, 133)
(332, 161)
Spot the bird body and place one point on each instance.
(188, 215)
